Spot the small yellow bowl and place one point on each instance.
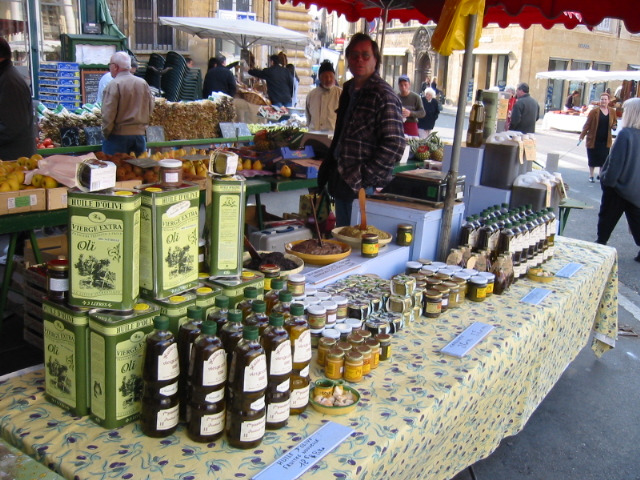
(336, 410)
(319, 259)
(535, 274)
(356, 242)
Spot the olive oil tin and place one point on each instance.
(104, 249)
(169, 240)
(234, 287)
(225, 226)
(116, 355)
(174, 307)
(66, 352)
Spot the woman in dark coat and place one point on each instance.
(430, 104)
(600, 121)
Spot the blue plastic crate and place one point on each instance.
(69, 81)
(53, 90)
(50, 105)
(69, 89)
(70, 105)
(49, 66)
(48, 74)
(69, 66)
(69, 97)
(68, 74)
(49, 97)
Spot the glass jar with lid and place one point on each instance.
(477, 289)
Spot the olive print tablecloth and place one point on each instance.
(422, 414)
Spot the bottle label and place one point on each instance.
(300, 397)
(433, 307)
(278, 412)
(281, 359)
(255, 374)
(353, 373)
(212, 424)
(305, 371)
(302, 351)
(168, 365)
(214, 370)
(333, 370)
(59, 284)
(169, 390)
(215, 396)
(167, 418)
(284, 386)
(253, 429)
(258, 404)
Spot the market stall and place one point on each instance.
(420, 411)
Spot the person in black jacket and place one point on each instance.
(219, 79)
(525, 112)
(432, 110)
(279, 82)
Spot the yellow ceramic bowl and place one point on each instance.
(246, 259)
(535, 274)
(336, 410)
(319, 259)
(355, 242)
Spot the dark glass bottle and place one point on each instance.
(300, 336)
(208, 375)
(283, 305)
(250, 294)
(475, 137)
(231, 333)
(258, 316)
(553, 228)
(246, 409)
(219, 315)
(187, 334)
(277, 347)
(504, 209)
(467, 234)
(161, 369)
(271, 297)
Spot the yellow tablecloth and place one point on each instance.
(422, 414)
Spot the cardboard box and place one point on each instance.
(306, 168)
(23, 201)
(56, 198)
(50, 247)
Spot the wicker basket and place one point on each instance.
(255, 98)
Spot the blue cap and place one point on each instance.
(403, 78)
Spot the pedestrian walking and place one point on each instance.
(600, 121)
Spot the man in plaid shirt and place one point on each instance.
(369, 134)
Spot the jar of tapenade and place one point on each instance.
(404, 235)
(477, 288)
(369, 245)
(334, 365)
(170, 173)
(385, 345)
(491, 278)
(445, 296)
(331, 311)
(367, 358)
(412, 267)
(295, 284)
(324, 345)
(58, 280)
(403, 285)
(398, 304)
(376, 326)
(432, 303)
(374, 345)
(454, 293)
(341, 302)
(270, 271)
(359, 310)
(353, 367)
(316, 316)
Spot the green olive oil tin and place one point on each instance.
(206, 298)
(225, 226)
(234, 287)
(174, 307)
(116, 355)
(66, 347)
(169, 240)
(104, 249)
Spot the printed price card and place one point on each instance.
(568, 270)
(463, 343)
(535, 296)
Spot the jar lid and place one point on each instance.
(329, 305)
(310, 290)
(296, 277)
(424, 261)
(439, 265)
(433, 294)
(59, 265)
(451, 285)
(331, 334)
(316, 331)
(429, 271)
(322, 295)
(204, 290)
(417, 265)
(364, 349)
(141, 307)
(405, 226)
(312, 300)
(335, 353)
(269, 268)
(339, 299)
(372, 342)
(316, 310)
(353, 322)
(461, 276)
(177, 299)
(343, 328)
(383, 337)
(353, 356)
(442, 289)
(478, 280)
(488, 275)
(170, 163)
(369, 237)
(469, 271)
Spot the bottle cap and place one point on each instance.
(250, 332)
(297, 309)
(285, 296)
(235, 315)
(161, 322)
(276, 319)
(251, 292)
(277, 284)
(208, 327)
(222, 301)
(259, 306)
(195, 312)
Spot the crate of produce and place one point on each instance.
(69, 81)
(22, 201)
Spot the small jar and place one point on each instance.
(353, 367)
(398, 304)
(445, 296)
(323, 296)
(425, 262)
(334, 365)
(331, 333)
(432, 303)
(316, 316)
(374, 345)
(461, 279)
(316, 335)
(442, 276)
(433, 281)
(324, 345)
(331, 311)
(377, 326)
(454, 293)
(404, 235)
(491, 278)
(403, 285)
(363, 332)
(343, 329)
(312, 300)
(477, 288)
(385, 345)
(355, 339)
(270, 271)
(367, 358)
(369, 245)
(295, 284)
(344, 346)
(170, 173)
(359, 310)
(412, 267)
(341, 302)
(58, 280)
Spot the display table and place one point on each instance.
(421, 411)
(563, 121)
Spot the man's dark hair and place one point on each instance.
(363, 37)
(221, 59)
(213, 62)
(5, 49)
(275, 59)
(524, 87)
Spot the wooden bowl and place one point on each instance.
(319, 259)
(246, 259)
(336, 410)
(356, 242)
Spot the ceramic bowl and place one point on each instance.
(535, 274)
(246, 259)
(355, 242)
(319, 259)
(335, 410)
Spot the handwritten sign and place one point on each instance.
(70, 136)
(463, 343)
(93, 135)
(530, 149)
(568, 270)
(306, 454)
(155, 134)
(323, 274)
(535, 296)
(90, 80)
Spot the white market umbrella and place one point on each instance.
(590, 76)
(244, 33)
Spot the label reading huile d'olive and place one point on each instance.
(104, 245)
(169, 240)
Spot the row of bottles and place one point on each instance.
(238, 372)
(527, 237)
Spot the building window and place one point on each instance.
(604, 26)
(57, 17)
(235, 5)
(14, 27)
(148, 34)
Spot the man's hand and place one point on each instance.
(405, 112)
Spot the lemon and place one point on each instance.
(246, 165)
(257, 165)
(285, 171)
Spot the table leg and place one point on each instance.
(563, 214)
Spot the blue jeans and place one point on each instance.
(124, 144)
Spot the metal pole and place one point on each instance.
(452, 176)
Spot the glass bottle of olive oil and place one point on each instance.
(219, 315)
(231, 334)
(271, 297)
(246, 409)
(208, 376)
(300, 336)
(161, 369)
(187, 334)
(258, 316)
(250, 294)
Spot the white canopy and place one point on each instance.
(244, 33)
(590, 76)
